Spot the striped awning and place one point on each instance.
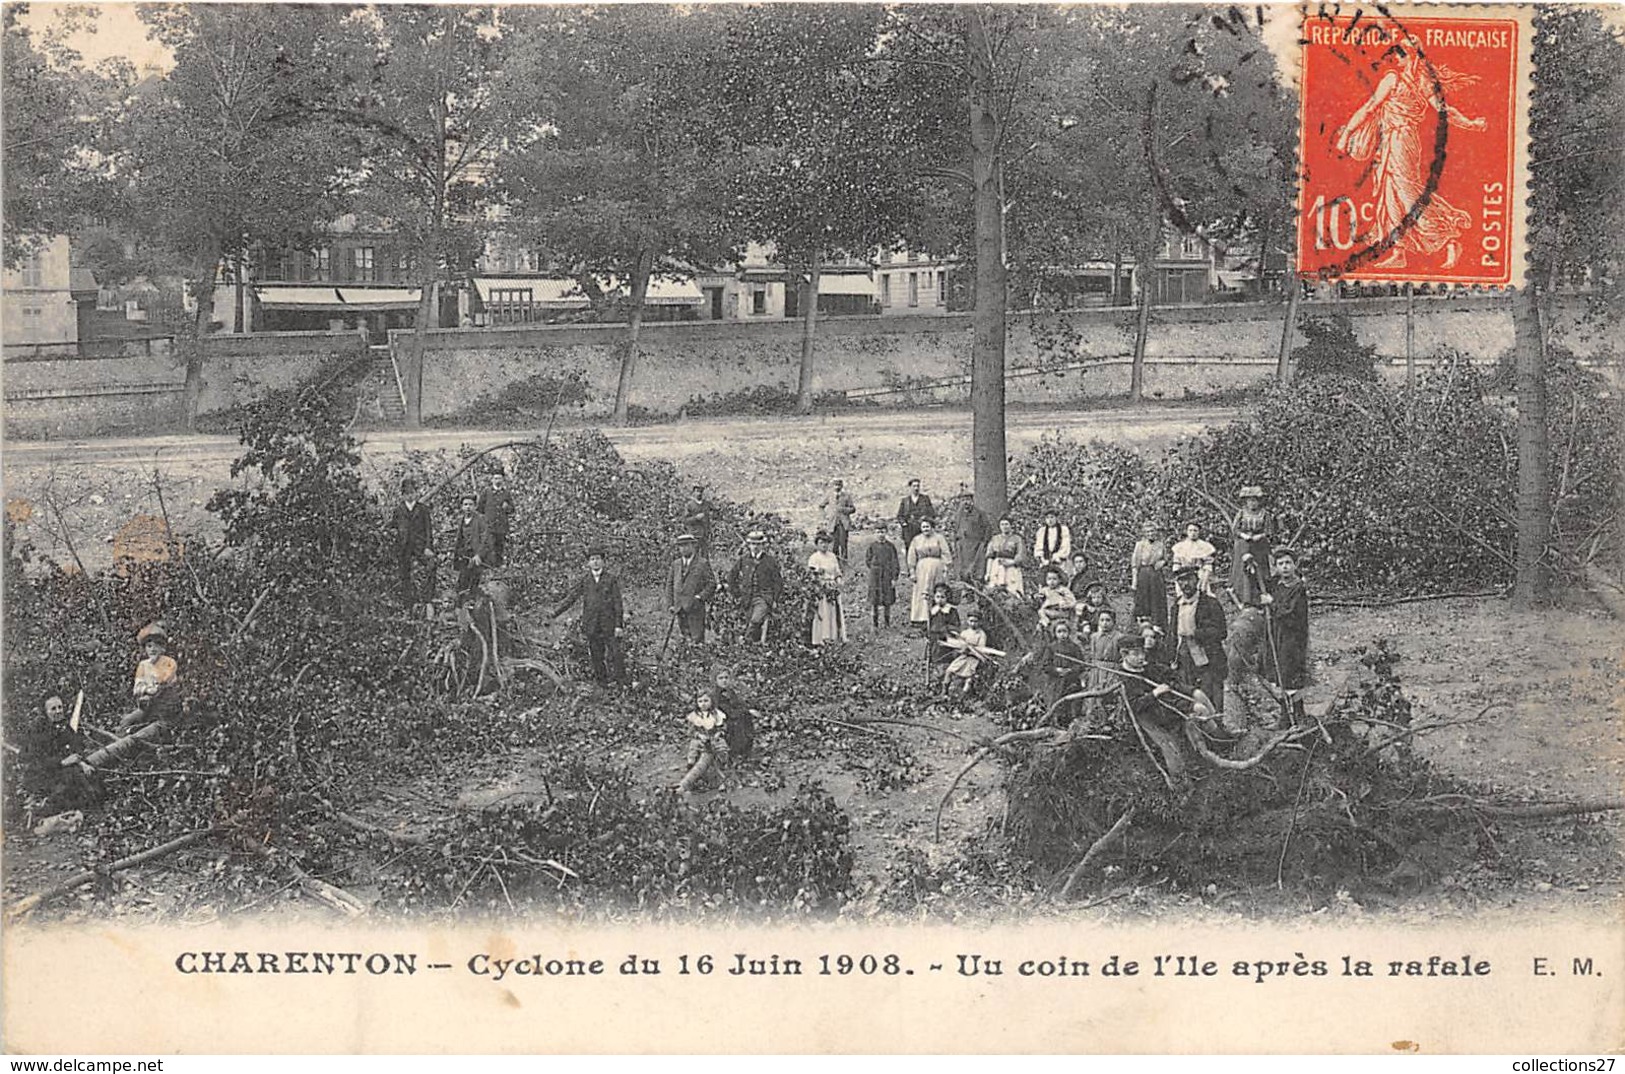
(553, 292)
(359, 299)
(847, 283)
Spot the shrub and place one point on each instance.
(1331, 349)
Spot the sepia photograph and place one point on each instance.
(893, 506)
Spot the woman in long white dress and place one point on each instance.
(1004, 560)
(929, 558)
(829, 624)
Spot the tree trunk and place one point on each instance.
(203, 319)
(1117, 278)
(1263, 260)
(1531, 584)
(988, 321)
(412, 375)
(629, 357)
(1142, 324)
(1410, 338)
(1289, 327)
(809, 320)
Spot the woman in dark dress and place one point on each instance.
(1251, 529)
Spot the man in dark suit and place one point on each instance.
(690, 587)
(697, 520)
(1199, 630)
(603, 615)
(915, 506)
(496, 507)
(414, 551)
(756, 584)
(473, 549)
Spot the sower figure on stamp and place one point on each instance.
(496, 507)
(756, 584)
(414, 546)
(689, 588)
(1396, 125)
(603, 615)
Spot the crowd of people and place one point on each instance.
(1168, 647)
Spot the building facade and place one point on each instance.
(47, 299)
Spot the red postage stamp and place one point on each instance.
(1412, 131)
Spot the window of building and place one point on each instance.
(361, 269)
(511, 305)
(885, 289)
(403, 265)
(914, 289)
(942, 288)
(33, 313)
(321, 263)
(33, 272)
(758, 300)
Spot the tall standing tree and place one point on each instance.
(55, 111)
(1186, 105)
(970, 82)
(224, 151)
(1577, 120)
(622, 185)
(439, 103)
(816, 176)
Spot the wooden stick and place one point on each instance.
(1094, 852)
(320, 890)
(28, 904)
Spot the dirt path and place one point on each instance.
(778, 464)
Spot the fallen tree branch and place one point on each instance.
(1054, 736)
(1509, 810)
(1095, 851)
(1422, 729)
(1391, 602)
(355, 823)
(320, 890)
(1214, 759)
(253, 610)
(26, 905)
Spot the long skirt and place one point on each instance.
(1246, 585)
(1151, 597)
(927, 573)
(828, 624)
(1001, 577)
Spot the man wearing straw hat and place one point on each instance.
(756, 584)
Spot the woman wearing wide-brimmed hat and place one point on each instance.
(1250, 552)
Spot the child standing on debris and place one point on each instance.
(884, 566)
(708, 749)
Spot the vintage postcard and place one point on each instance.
(805, 528)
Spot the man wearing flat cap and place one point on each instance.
(1199, 630)
(689, 588)
(756, 583)
(603, 615)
